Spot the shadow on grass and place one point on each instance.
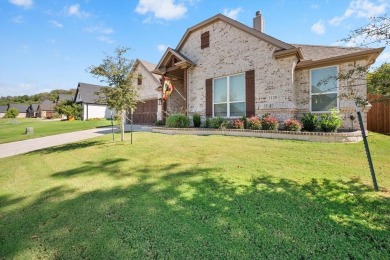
(181, 214)
(67, 147)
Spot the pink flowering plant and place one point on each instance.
(269, 122)
(292, 125)
(254, 123)
(238, 124)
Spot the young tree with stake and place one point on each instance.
(120, 95)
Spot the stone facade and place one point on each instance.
(280, 88)
(150, 82)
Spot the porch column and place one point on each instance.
(185, 91)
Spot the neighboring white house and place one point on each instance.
(86, 95)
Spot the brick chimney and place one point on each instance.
(258, 22)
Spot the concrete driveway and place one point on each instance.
(20, 147)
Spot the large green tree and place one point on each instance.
(68, 108)
(120, 95)
(378, 81)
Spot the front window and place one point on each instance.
(324, 89)
(229, 96)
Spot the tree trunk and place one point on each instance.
(123, 126)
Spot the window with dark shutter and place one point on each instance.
(205, 40)
(250, 93)
(139, 79)
(209, 97)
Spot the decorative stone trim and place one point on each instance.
(344, 137)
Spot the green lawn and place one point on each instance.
(14, 129)
(196, 197)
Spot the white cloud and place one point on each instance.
(56, 24)
(162, 47)
(17, 19)
(319, 27)
(232, 13)
(74, 10)
(314, 6)
(360, 9)
(161, 9)
(105, 39)
(100, 29)
(22, 3)
(18, 89)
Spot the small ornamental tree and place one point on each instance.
(120, 95)
(12, 113)
(68, 108)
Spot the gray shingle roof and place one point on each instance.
(3, 109)
(47, 105)
(62, 97)
(317, 52)
(22, 108)
(87, 93)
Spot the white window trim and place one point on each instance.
(324, 93)
(228, 95)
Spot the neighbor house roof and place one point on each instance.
(62, 97)
(47, 105)
(3, 109)
(22, 108)
(33, 107)
(87, 93)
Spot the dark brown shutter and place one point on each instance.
(139, 79)
(205, 40)
(209, 97)
(250, 93)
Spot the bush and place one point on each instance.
(177, 121)
(12, 113)
(330, 122)
(196, 120)
(269, 122)
(245, 120)
(226, 124)
(310, 122)
(215, 122)
(238, 124)
(254, 123)
(292, 125)
(159, 123)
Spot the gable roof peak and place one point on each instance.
(220, 17)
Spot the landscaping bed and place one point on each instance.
(326, 137)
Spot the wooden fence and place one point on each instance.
(378, 118)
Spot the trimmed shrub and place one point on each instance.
(159, 123)
(226, 124)
(177, 121)
(330, 122)
(238, 124)
(245, 120)
(254, 123)
(292, 125)
(269, 122)
(196, 120)
(12, 113)
(215, 122)
(310, 122)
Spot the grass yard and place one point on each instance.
(196, 197)
(14, 130)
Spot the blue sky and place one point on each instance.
(49, 44)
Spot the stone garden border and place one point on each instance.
(342, 137)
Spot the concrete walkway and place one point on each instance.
(20, 147)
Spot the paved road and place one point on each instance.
(20, 147)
